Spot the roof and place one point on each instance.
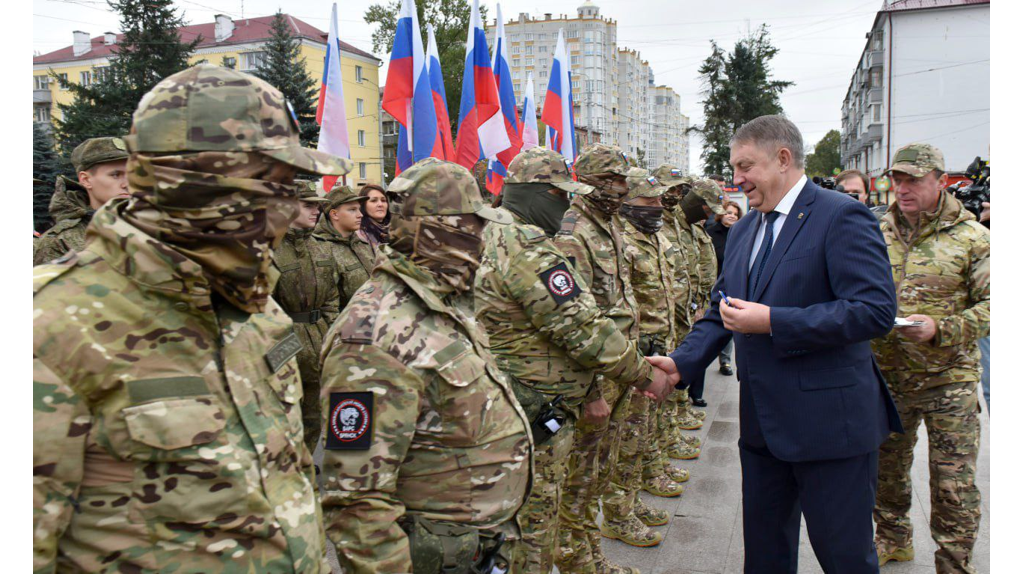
(246, 30)
(906, 5)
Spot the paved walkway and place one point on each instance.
(706, 534)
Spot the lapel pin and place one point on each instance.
(800, 215)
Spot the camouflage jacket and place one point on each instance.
(593, 243)
(701, 253)
(686, 271)
(649, 257)
(941, 270)
(353, 255)
(544, 325)
(309, 281)
(166, 431)
(71, 213)
(445, 437)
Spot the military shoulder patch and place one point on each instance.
(350, 424)
(569, 223)
(560, 283)
(283, 351)
(531, 233)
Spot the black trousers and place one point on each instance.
(836, 498)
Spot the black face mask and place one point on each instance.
(532, 202)
(693, 208)
(647, 219)
(670, 200)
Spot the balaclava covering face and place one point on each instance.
(648, 219)
(534, 203)
(449, 246)
(692, 206)
(609, 192)
(214, 208)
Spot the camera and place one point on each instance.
(979, 190)
(830, 183)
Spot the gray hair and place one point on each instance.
(772, 133)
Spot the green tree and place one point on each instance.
(47, 166)
(149, 50)
(738, 87)
(825, 158)
(450, 19)
(284, 68)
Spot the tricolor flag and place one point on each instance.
(444, 124)
(481, 127)
(330, 109)
(557, 112)
(531, 138)
(407, 94)
(498, 166)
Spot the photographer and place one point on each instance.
(857, 184)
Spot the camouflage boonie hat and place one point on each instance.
(712, 195)
(668, 175)
(98, 150)
(308, 191)
(211, 108)
(542, 165)
(342, 194)
(598, 159)
(643, 185)
(917, 160)
(436, 187)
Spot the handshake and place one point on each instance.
(664, 378)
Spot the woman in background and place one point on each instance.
(376, 218)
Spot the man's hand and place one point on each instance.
(985, 211)
(596, 412)
(921, 334)
(660, 386)
(666, 366)
(746, 316)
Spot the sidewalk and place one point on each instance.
(706, 531)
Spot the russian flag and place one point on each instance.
(531, 139)
(482, 131)
(407, 94)
(444, 124)
(330, 109)
(507, 99)
(557, 112)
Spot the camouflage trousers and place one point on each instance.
(534, 552)
(950, 414)
(309, 372)
(593, 458)
(655, 455)
(626, 478)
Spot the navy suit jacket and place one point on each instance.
(813, 382)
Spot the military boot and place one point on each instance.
(663, 486)
(573, 554)
(601, 564)
(677, 474)
(697, 413)
(692, 440)
(649, 515)
(687, 421)
(683, 451)
(889, 552)
(631, 531)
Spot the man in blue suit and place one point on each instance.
(808, 285)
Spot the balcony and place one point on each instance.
(41, 96)
(875, 95)
(876, 58)
(872, 135)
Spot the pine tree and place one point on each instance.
(826, 158)
(149, 50)
(46, 168)
(717, 128)
(283, 67)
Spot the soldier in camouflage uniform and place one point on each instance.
(626, 517)
(353, 254)
(100, 164)
(592, 240)
(307, 291)
(428, 454)
(547, 333)
(940, 263)
(166, 428)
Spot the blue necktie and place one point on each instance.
(762, 254)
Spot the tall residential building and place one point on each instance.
(237, 44)
(923, 77)
(634, 124)
(669, 142)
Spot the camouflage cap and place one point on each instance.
(711, 194)
(436, 187)
(309, 191)
(342, 194)
(98, 150)
(668, 175)
(643, 185)
(542, 165)
(211, 108)
(917, 159)
(597, 159)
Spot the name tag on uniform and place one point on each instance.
(283, 351)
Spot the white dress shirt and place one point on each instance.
(784, 207)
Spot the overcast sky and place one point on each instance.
(819, 42)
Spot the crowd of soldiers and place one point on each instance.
(472, 375)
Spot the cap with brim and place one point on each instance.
(495, 215)
(310, 160)
(710, 193)
(907, 168)
(573, 187)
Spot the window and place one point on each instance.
(515, 86)
(529, 36)
(359, 106)
(252, 60)
(876, 41)
(389, 128)
(85, 78)
(574, 60)
(229, 62)
(361, 138)
(515, 75)
(575, 85)
(359, 74)
(573, 34)
(876, 77)
(101, 73)
(529, 49)
(542, 49)
(529, 61)
(64, 80)
(42, 82)
(362, 170)
(544, 73)
(876, 113)
(515, 62)
(516, 49)
(42, 114)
